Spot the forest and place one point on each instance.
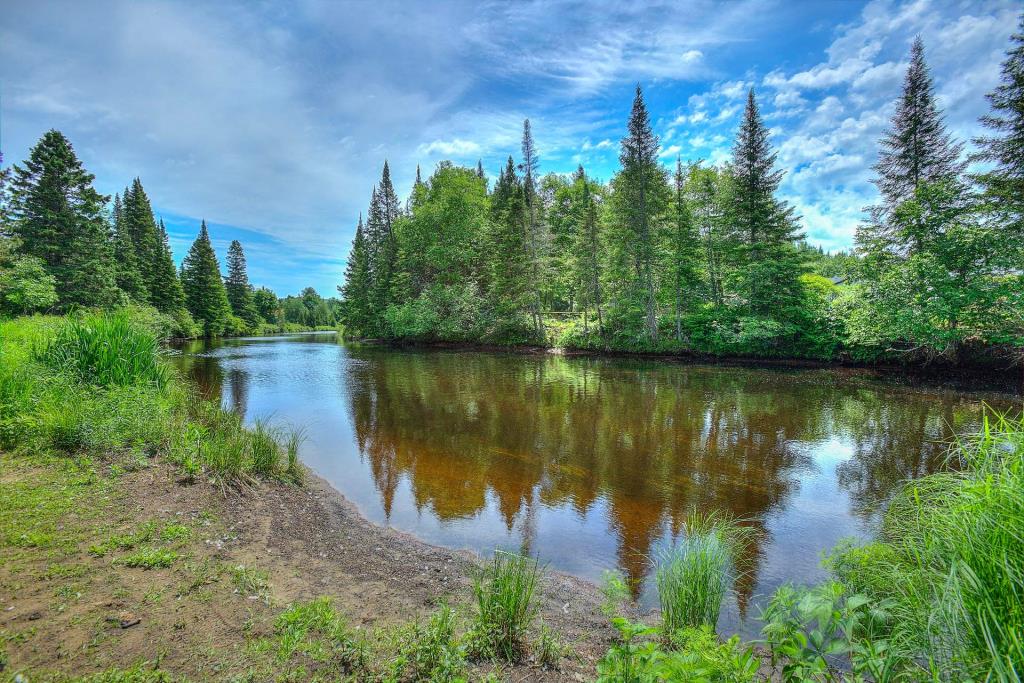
(707, 260)
(63, 246)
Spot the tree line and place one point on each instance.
(707, 258)
(63, 245)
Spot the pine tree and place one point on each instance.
(764, 224)
(530, 168)
(126, 261)
(640, 202)
(237, 284)
(59, 217)
(682, 252)
(356, 292)
(166, 293)
(205, 295)
(382, 249)
(917, 148)
(1005, 148)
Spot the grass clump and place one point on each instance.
(694, 576)
(431, 651)
(150, 558)
(315, 632)
(949, 562)
(504, 592)
(105, 349)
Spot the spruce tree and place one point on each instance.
(126, 261)
(764, 224)
(166, 293)
(508, 252)
(205, 295)
(1004, 149)
(356, 292)
(530, 167)
(917, 147)
(681, 253)
(140, 224)
(640, 202)
(59, 217)
(237, 284)
(382, 249)
(587, 248)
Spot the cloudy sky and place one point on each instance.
(272, 122)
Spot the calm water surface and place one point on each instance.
(593, 464)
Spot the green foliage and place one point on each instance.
(694, 576)
(431, 652)
(947, 564)
(505, 597)
(106, 350)
(25, 284)
(238, 288)
(315, 632)
(205, 295)
(58, 216)
(150, 558)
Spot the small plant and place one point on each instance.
(694, 576)
(550, 649)
(431, 652)
(504, 592)
(616, 592)
(150, 558)
(174, 532)
(315, 630)
(251, 581)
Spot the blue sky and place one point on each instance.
(272, 122)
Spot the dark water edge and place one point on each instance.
(1001, 376)
(593, 462)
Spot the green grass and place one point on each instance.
(430, 651)
(105, 349)
(694, 576)
(150, 558)
(97, 383)
(949, 562)
(316, 633)
(505, 597)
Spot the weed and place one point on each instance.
(431, 651)
(317, 632)
(550, 649)
(150, 558)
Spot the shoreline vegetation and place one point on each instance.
(95, 426)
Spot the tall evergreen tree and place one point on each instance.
(382, 249)
(205, 295)
(681, 252)
(765, 225)
(587, 248)
(508, 250)
(166, 293)
(917, 148)
(59, 217)
(1004, 149)
(530, 168)
(356, 292)
(237, 284)
(140, 225)
(126, 261)
(640, 201)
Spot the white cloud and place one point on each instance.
(449, 148)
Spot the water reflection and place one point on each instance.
(589, 463)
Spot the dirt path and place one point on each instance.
(203, 617)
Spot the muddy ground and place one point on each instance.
(68, 607)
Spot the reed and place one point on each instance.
(694, 575)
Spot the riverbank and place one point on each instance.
(226, 563)
(969, 377)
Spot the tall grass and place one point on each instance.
(504, 592)
(694, 575)
(105, 349)
(950, 561)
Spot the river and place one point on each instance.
(592, 464)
